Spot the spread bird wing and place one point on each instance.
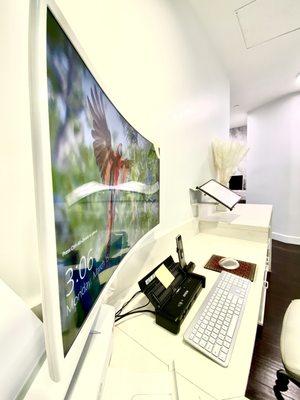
(100, 132)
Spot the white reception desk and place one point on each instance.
(143, 349)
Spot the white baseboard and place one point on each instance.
(286, 238)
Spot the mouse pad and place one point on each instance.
(245, 270)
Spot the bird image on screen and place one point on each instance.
(105, 178)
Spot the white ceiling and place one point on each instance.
(258, 43)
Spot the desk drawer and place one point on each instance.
(263, 299)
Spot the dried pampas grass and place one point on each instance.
(227, 156)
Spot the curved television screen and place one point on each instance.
(105, 181)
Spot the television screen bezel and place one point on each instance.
(60, 366)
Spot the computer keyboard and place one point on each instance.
(214, 328)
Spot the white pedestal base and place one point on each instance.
(88, 379)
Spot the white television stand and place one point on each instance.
(88, 379)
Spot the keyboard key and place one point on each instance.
(209, 347)
(216, 350)
(224, 349)
(232, 325)
(222, 356)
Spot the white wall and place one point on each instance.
(18, 237)
(156, 65)
(273, 169)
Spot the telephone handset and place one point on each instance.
(179, 248)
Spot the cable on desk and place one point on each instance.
(134, 311)
(127, 302)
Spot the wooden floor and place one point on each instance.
(284, 287)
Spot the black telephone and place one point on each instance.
(173, 302)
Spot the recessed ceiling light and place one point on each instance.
(236, 106)
(298, 79)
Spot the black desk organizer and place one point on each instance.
(172, 304)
